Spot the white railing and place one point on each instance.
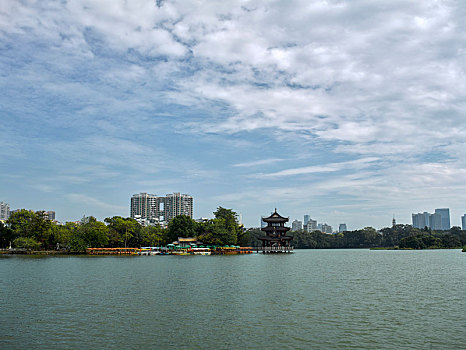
(275, 249)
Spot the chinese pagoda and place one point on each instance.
(275, 239)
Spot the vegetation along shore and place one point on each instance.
(30, 231)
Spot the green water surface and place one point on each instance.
(312, 299)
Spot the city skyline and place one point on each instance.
(151, 206)
(350, 111)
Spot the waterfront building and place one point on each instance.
(4, 211)
(276, 240)
(177, 204)
(463, 222)
(296, 225)
(342, 228)
(445, 217)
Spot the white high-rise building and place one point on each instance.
(310, 226)
(177, 204)
(421, 220)
(152, 208)
(145, 206)
(4, 211)
(463, 222)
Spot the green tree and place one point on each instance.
(214, 231)
(68, 237)
(152, 236)
(450, 241)
(20, 223)
(6, 235)
(230, 224)
(91, 233)
(42, 229)
(244, 237)
(181, 226)
(413, 242)
(123, 231)
(27, 223)
(28, 243)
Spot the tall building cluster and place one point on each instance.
(310, 225)
(151, 209)
(5, 212)
(439, 220)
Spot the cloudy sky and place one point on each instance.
(350, 111)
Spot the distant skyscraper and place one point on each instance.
(306, 219)
(393, 221)
(4, 211)
(445, 214)
(435, 220)
(296, 225)
(463, 222)
(177, 204)
(421, 220)
(342, 228)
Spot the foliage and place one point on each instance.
(26, 243)
(404, 236)
(124, 230)
(227, 219)
(181, 226)
(33, 230)
(92, 233)
(152, 236)
(6, 235)
(430, 241)
(27, 223)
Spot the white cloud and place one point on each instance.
(332, 167)
(381, 82)
(258, 162)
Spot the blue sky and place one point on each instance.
(349, 111)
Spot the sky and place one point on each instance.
(349, 111)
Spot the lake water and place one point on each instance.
(319, 299)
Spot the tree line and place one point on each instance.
(32, 230)
(399, 236)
